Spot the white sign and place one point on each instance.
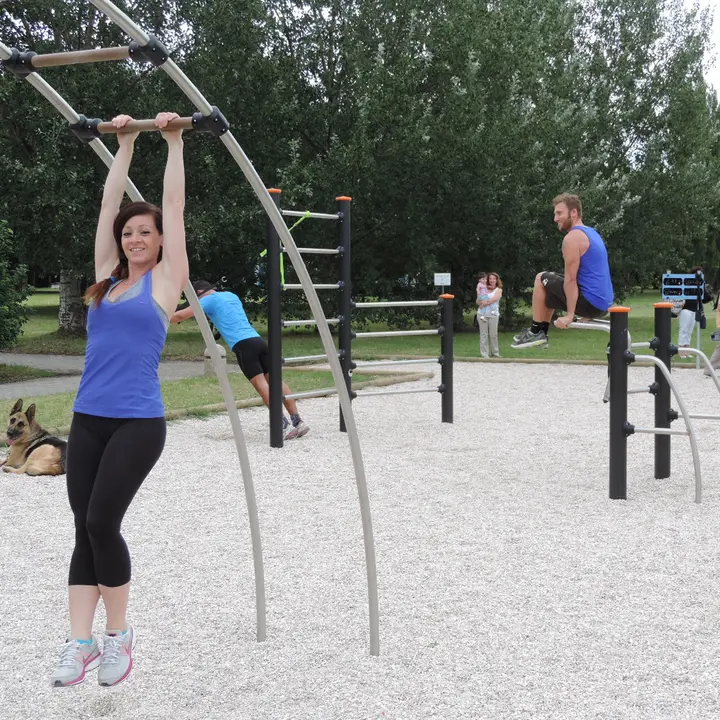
(442, 279)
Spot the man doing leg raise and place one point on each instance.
(585, 288)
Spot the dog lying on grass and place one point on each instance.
(33, 451)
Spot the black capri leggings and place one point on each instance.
(107, 461)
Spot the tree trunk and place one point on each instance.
(73, 312)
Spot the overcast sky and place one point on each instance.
(713, 74)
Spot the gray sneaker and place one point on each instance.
(302, 429)
(76, 660)
(116, 658)
(290, 432)
(530, 339)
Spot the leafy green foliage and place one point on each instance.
(13, 289)
(452, 125)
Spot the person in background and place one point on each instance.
(225, 310)
(489, 316)
(687, 315)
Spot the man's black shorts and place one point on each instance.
(253, 358)
(554, 284)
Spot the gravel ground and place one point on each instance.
(510, 586)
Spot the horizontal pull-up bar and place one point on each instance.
(24, 63)
(88, 129)
(107, 128)
(77, 57)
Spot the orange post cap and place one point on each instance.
(448, 296)
(274, 191)
(662, 305)
(619, 308)
(343, 197)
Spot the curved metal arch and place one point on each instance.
(50, 94)
(196, 97)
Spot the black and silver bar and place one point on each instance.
(618, 387)
(77, 57)
(317, 251)
(663, 339)
(321, 286)
(383, 363)
(293, 323)
(398, 303)
(299, 359)
(311, 394)
(397, 392)
(315, 215)
(660, 431)
(274, 323)
(639, 391)
(396, 333)
(699, 416)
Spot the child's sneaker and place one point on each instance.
(76, 660)
(116, 658)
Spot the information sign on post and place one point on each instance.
(441, 280)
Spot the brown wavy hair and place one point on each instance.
(497, 277)
(97, 292)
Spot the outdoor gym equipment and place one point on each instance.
(146, 48)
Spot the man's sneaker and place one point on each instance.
(116, 658)
(530, 339)
(302, 429)
(76, 660)
(290, 432)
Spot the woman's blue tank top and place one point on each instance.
(593, 277)
(125, 339)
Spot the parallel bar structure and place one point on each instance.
(274, 320)
(104, 154)
(398, 303)
(344, 298)
(382, 363)
(310, 394)
(662, 396)
(446, 357)
(618, 402)
(316, 216)
(396, 333)
(317, 286)
(397, 392)
(295, 323)
(300, 359)
(317, 251)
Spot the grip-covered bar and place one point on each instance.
(78, 57)
(107, 128)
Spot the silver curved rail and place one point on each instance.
(50, 94)
(273, 212)
(706, 360)
(686, 417)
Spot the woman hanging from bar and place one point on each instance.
(118, 427)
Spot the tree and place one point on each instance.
(13, 289)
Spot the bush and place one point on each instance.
(13, 289)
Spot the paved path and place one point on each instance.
(73, 365)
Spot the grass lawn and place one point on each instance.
(55, 411)
(185, 342)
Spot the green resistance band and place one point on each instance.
(282, 259)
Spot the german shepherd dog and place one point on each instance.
(32, 449)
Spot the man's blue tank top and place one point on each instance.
(594, 273)
(125, 339)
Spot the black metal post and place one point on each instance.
(274, 320)
(662, 396)
(345, 295)
(618, 402)
(446, 357)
